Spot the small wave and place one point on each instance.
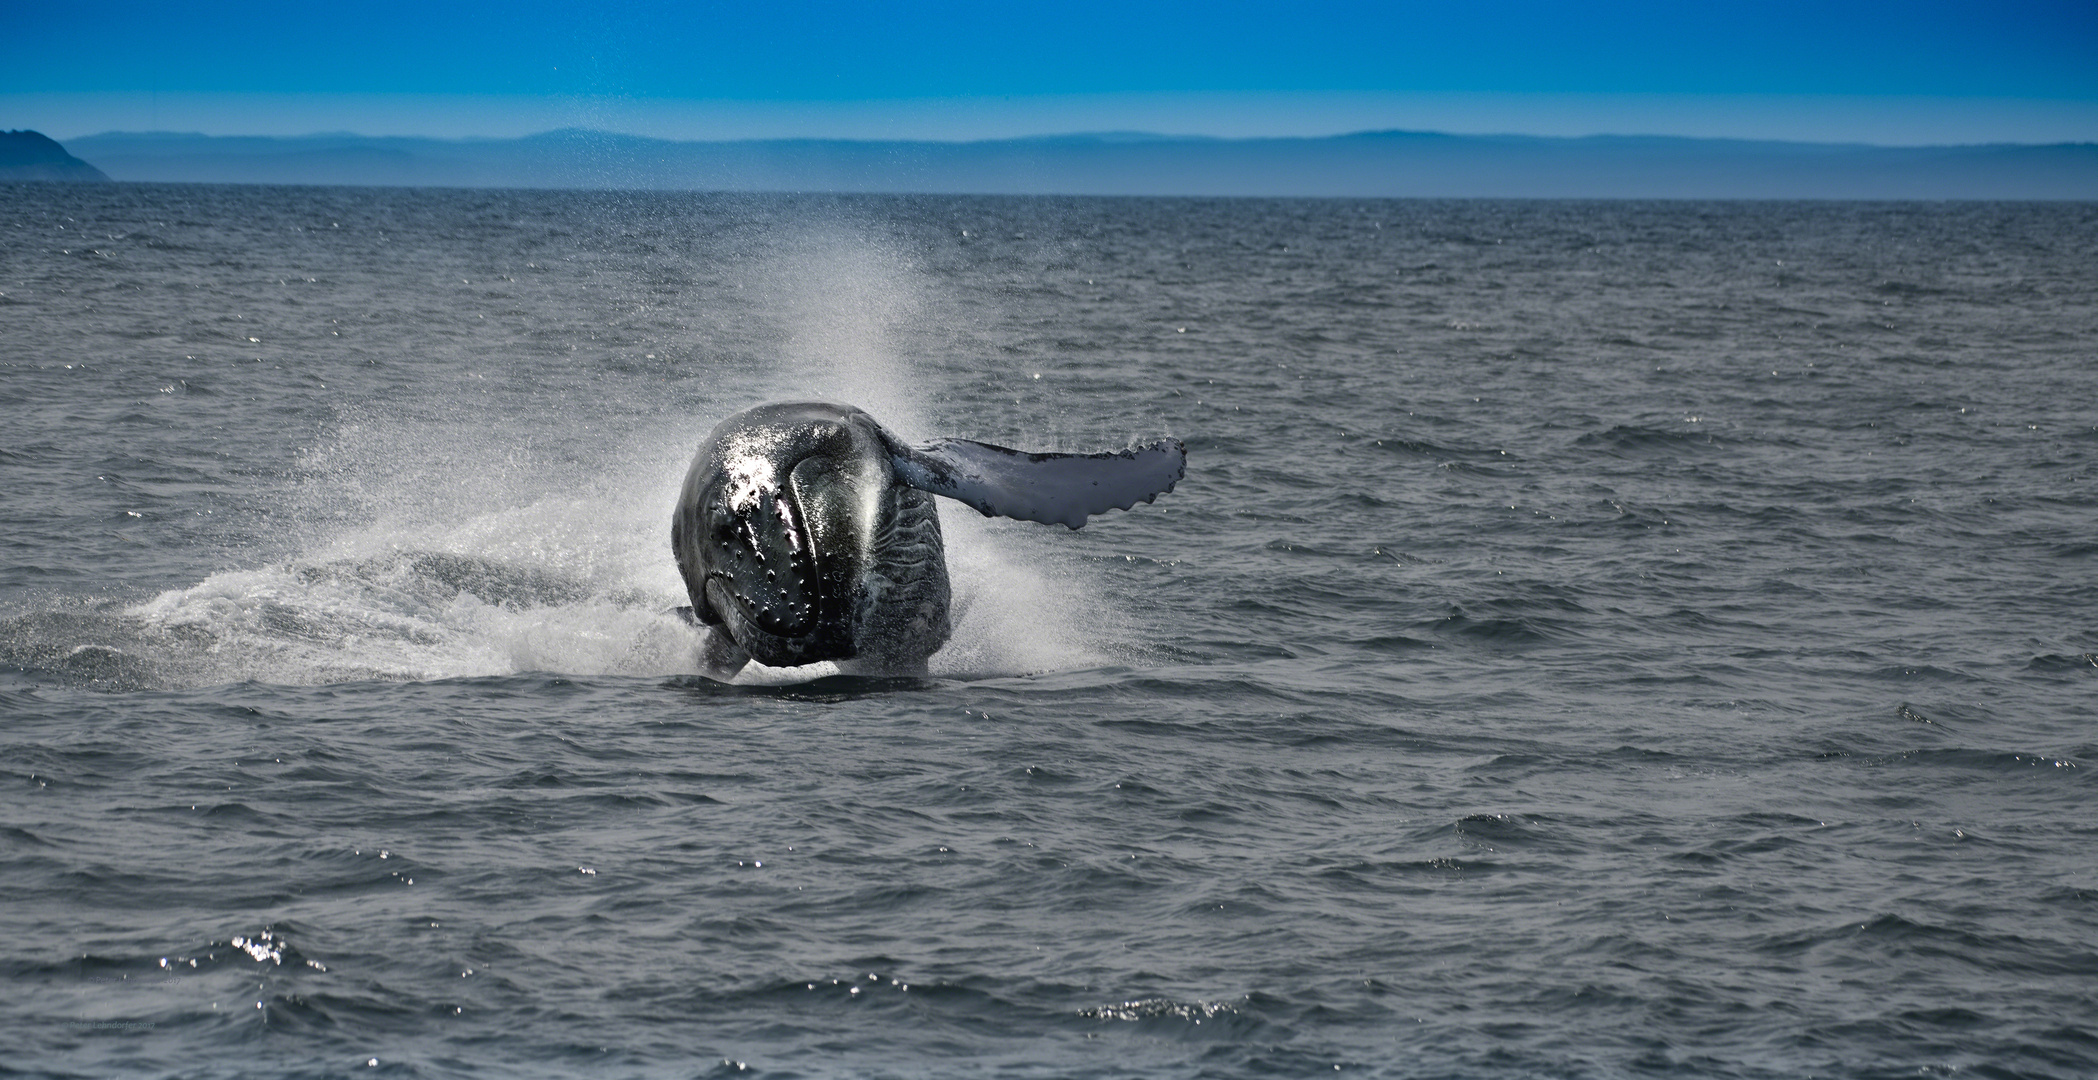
(1890, 934)
(1394, 643)
(1496, 832)
(1906, 289)
(866, 985)
(1509, 630)
(1991, 761)
(1924, 673)
(1467, 468)
(1422, 448)
(1162, 1010)
(269, 945)
(1382, 875)
(1634, 440)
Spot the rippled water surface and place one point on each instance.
(1592, 640)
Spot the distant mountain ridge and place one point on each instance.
(1365, 164)
(32, 155)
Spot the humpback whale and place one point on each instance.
(807, 531)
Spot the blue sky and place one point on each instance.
(1835, 70)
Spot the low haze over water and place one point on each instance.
(1592, 639)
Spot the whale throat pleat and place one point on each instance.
(901, 604)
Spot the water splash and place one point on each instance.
(842, 300)
(846, 303)
(459, 526)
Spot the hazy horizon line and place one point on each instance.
(1130, 135)
(1871, 120)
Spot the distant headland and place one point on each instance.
(30, 155)
(1374, 164)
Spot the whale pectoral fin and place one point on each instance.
(1054, 489)
(720, 658)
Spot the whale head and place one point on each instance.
(796, 538)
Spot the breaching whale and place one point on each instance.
(807, 531)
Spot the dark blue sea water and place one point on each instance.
(1591, 640)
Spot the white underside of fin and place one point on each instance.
(1054, 489)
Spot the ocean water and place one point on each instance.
(1593, 639)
